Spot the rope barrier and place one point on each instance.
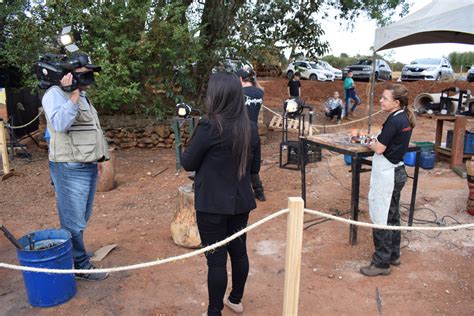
(228, 239)
(25, 125)
(151, 263)
(276, 113)
(350, 122)
(386, 227)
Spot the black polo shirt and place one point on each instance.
(396, 134)
(253, 101)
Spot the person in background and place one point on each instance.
(76, 146)
(350, 93)
(253, 100)
(294, 86)
(388, 178)
(334, 107)
(224, 151)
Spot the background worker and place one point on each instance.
(334, 107)
(294, 87)
(76, 145)
(253, 94)
(388, 178)
(350, 93)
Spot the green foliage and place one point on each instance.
(155, 53)
(464, 60)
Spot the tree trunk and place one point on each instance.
(183, 227)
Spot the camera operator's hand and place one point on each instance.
(67, 81)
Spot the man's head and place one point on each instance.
(82, 69)
(246, 76)
(335, 95)
(349, 73)
(297, 76)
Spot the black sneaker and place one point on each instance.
(92, 276)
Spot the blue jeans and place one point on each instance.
(351, 95)
(75, 185)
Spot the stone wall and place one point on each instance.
(127, 131)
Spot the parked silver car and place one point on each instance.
(362, 70)
(428, 69)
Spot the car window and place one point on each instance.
(364, 62)
(426, 61)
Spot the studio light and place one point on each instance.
(68, 38)
(183, 110)
(293, 108)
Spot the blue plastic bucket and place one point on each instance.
(52, 249)
(348, 159)
(410, 158)
(427, 160)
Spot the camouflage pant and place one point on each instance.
(387, 242)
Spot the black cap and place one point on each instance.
(79, 60)
(242, 73)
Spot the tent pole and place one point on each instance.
(371, 93)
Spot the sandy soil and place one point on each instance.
(435, 278)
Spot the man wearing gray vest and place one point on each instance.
(77, 144)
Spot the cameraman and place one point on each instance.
(77, 144)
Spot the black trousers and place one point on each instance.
(334, 112)
(387, 242)
(214, 228)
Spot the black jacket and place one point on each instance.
(217, 187)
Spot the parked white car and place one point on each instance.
(336, 72)
(428, 69)
(309, 70)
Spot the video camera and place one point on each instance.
(51, 68)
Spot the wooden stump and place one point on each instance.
(106, 181)
(183, 227)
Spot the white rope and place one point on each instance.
(350, 122)
(151, 263)
(228, 239)
(276, 113)
(386, 227)
(25, 125)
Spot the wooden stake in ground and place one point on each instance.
(294, 244)
(184, 227)
(4, 151)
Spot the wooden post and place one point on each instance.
(4, 150)
(106, 180)
(294, 243)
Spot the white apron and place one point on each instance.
(382, 182)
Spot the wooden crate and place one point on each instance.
(276, 124)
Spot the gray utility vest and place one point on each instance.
(83, 142)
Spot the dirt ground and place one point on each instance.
(436, 276)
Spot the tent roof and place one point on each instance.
(441, 21)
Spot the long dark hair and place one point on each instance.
(226, 106)
(400, 93)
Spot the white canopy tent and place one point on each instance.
(441, 21)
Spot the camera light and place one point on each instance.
(66, 39)
(291, 106)
(183, 110)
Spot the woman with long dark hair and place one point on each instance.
(388, 178)
(224, 151)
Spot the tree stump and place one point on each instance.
(184, 227)
(106, 180)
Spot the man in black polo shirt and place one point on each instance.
(388, 178)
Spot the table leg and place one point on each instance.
(303, 151)
(413, 190)
(438, 137)
(355, 168)
(457, 150)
